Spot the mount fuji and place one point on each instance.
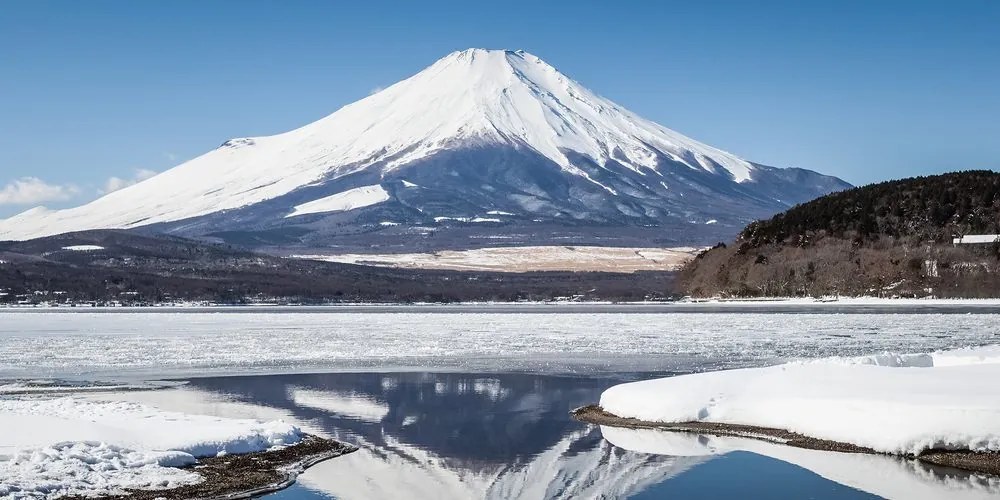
(482, 148)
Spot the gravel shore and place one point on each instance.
(248, 475)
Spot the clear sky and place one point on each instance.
(95, 94)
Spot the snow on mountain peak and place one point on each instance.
(469, 98)
(503, 96)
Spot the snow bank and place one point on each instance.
(968, 356)
(62, 446)
(894, 405)
(90, 468)
(954, 357)
(351, 199)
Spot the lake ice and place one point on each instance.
(152, 344)
(157, 344)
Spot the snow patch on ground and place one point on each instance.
(83, 248)
(526, 259)
(351, 199)
(890, 403)
(90, 468)
(70, 445)
(466, 219)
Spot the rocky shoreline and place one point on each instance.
(247, 475)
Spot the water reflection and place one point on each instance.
(468, 436)
(880, 475)
(453, 435)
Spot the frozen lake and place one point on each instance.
(454, 435)
(473, 401)
(550, 339)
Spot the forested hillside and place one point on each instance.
(888, 239)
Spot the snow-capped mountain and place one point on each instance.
(480, 139)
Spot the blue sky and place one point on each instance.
(95, 94)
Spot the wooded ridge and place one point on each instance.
(888, 239)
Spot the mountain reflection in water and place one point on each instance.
(468, 436)
(450, 435)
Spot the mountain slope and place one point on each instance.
(495, 137)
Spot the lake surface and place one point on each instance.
(474, 402)
(474, 435)
(434, 435)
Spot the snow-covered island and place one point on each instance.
(70, 446)
(941, 407)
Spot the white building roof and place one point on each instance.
(976, 238)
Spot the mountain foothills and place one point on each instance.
(896, 238)
(482, 148)
(113, 267)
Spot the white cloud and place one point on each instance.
(170, 156)
(376, 90)
(115, 183)
(32, 190)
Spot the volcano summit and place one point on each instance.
(484, 147)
